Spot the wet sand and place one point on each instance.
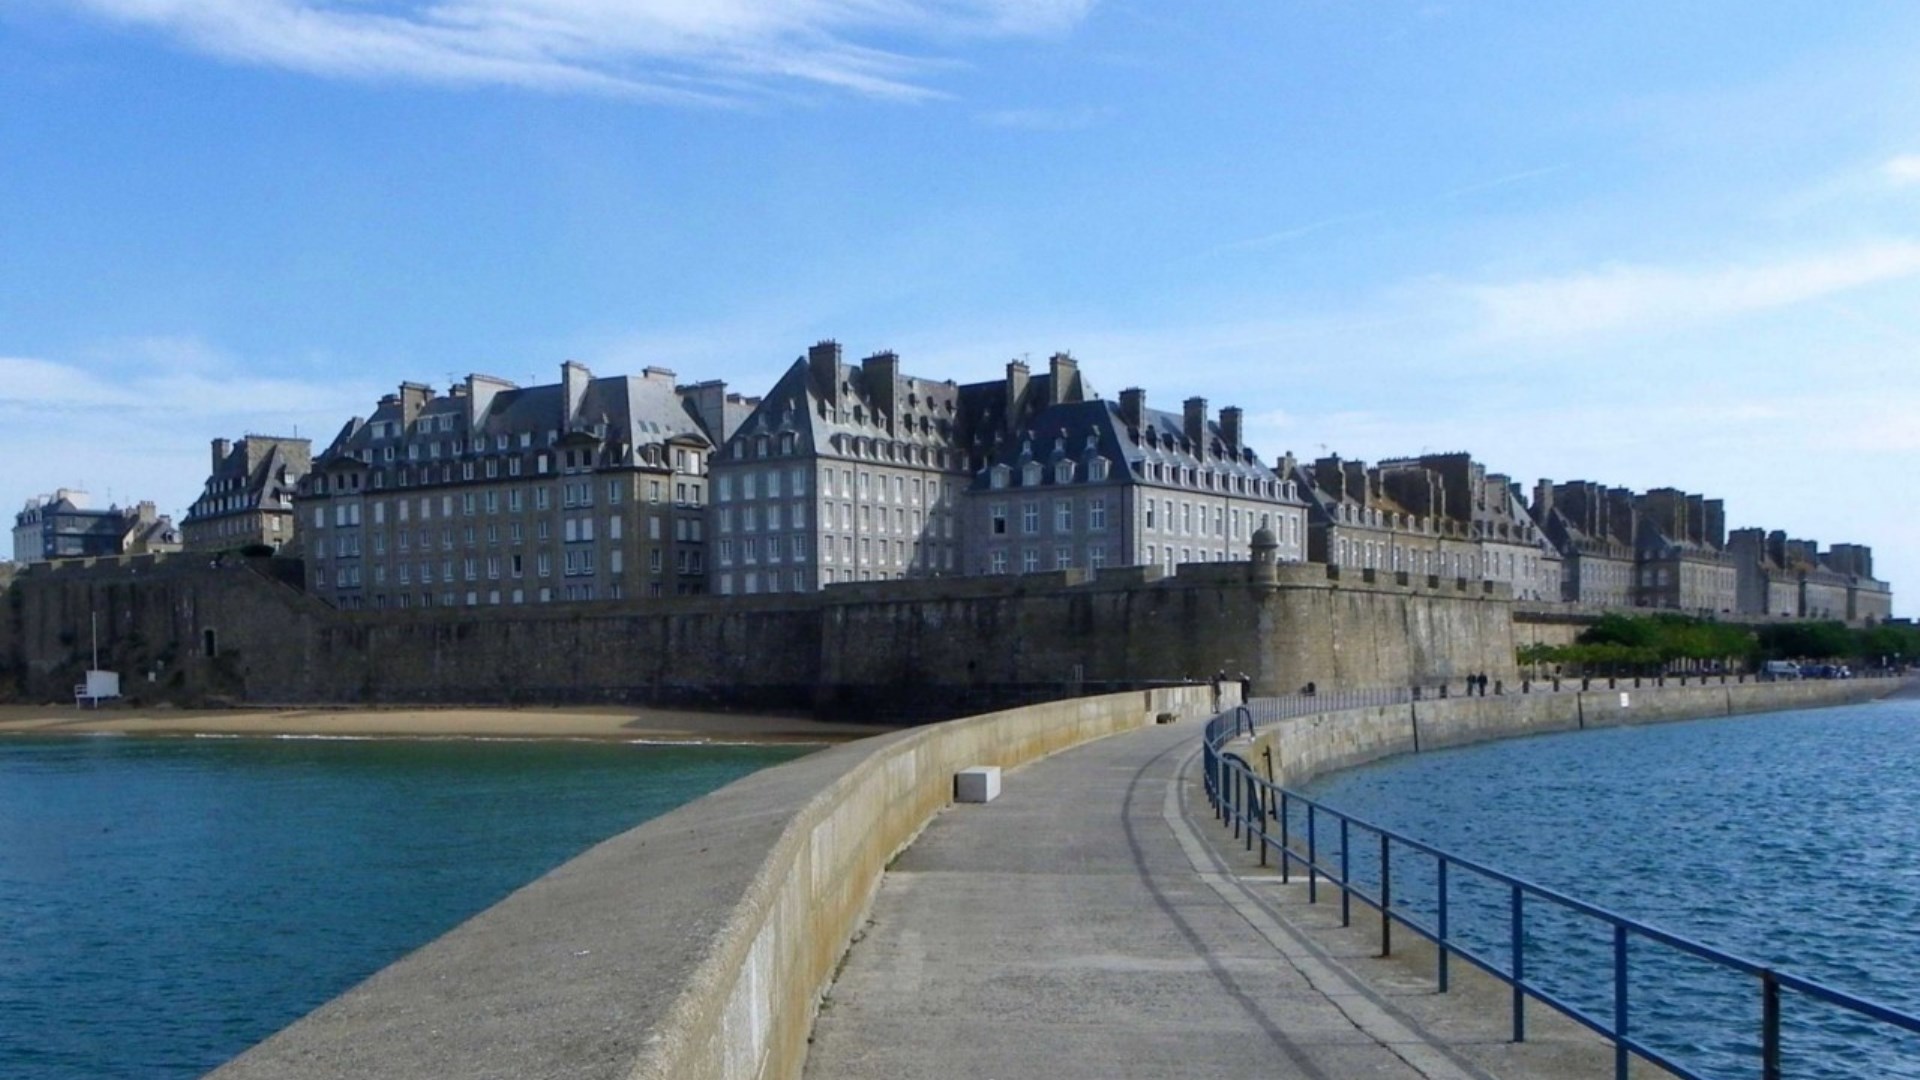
(608, 723)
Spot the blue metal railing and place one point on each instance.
(1263, 814)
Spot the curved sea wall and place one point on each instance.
(694, 946)
(1304, 747)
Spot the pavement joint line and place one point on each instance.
(1353, 999)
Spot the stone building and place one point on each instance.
(1681, 562)
(1593, 528)
(589, 488)
(1781, 576)
(1441, 515)
(1089, 484)
(62, 526)
(842, 472)
(248, 497)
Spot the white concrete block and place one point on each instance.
(977, 783)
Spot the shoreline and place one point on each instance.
(582, 724)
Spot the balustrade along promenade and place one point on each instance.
(1401, 882)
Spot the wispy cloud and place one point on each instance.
(1046, 119)
(1902, 170)
(1627, 299)
(670, 51)
(1422, 203)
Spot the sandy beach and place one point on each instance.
(610, 723)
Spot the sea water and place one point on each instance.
(167, 903)
(1791, 839)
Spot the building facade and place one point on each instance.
(248, 497)
(585, 489)
(1089, 484)
(1681, 563)
(1790, 578)
(62, 526)
(1592, 527)
(1440, 515)
(841, 473)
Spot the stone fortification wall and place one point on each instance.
(695, 947)
(902, 649)
(1305, 747)
(10, 660)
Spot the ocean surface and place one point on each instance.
(167, 903)
(1791, 839)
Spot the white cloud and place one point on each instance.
(1902, 170)
(1628, 299)
(675, 51)
(1046, 119)
(134, 421)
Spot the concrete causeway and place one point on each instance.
(1086, 924)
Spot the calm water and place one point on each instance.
(164, 904)
(1792, 839)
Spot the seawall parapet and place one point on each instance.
(694, 947)
(1305, 747)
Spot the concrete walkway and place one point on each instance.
(1080, 926)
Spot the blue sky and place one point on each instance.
(1638, 243)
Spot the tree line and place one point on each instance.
(1668, 641)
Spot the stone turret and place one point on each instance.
(1265, 567)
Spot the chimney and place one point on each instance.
(413, 397)
(1016, 393)
(1133, 407)
(709, 401)
(574, 378)
(1715, 525)
(1542, 500)
(881, 372)
(1196, 426)
(221, 448)
(481, 390)
(823, 367)
(1064, 386)
(1230, 424)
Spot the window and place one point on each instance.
(1062, 558)
(1030, 517)
(1063, 515)
(1029, 561)
(997, 514)
(997, 562)
(613, 493)
(1097, 513)
(613, 527)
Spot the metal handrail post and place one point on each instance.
(1620, 1054)
(1769, 1026)
(1440, 941)
(1516, 915)
(1286, 840)
(1313, 861)
(1386, 898)
(1346, 879)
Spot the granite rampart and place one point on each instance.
(193, 630)
(694, 947)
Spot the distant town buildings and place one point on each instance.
(63, 526)
(1439, 515)
(1777, 575)
(631, 487)
(248, 497)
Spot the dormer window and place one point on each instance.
(1030, 475)
(1097, 470)
(1063, 472)
(999, 476)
